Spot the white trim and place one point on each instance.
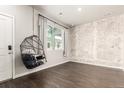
(27, 73)
(13, 47)
(96, 64)
(13, 42)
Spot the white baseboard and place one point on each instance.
(83, 62)
(27, 73)
(96, 64)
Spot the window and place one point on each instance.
(50, 37)
(58, 38)
(55, 38)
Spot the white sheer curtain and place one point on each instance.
(65, 44)
(41, 28)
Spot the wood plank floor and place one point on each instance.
(70, 75)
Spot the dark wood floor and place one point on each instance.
(70, 75)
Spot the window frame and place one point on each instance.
(49, 23)
(62, 32)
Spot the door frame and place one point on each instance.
(13, 42)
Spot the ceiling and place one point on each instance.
(70, 16)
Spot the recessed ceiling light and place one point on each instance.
(79, 9)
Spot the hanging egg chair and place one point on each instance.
(32, 52)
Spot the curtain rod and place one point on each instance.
(53, 21)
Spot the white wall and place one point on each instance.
(53, 57)
(23, 27)
(24, 18)
(100, 42)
